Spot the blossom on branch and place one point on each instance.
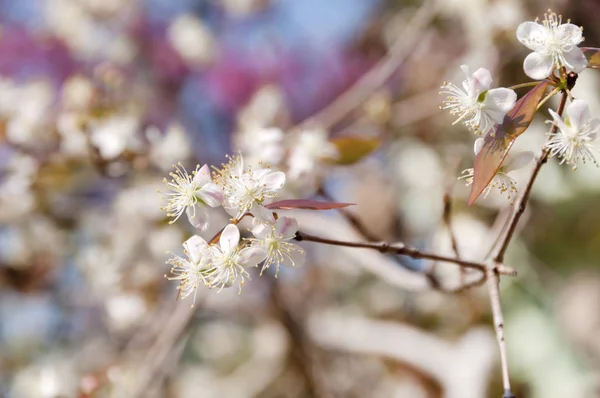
(554, 45)
(192, 193)
(574, 136)
(476, 105)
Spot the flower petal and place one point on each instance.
(481, 81)
(594, 126)
(198, 216)
(538, 66)
(262, 214)
(286, 227)
(230, 238)
(498, 101)
(251, 256)
(195, 248)
(212, 194)
(558, 121)
(202, 176)
(575, 60)
(274, 180)
(579, 114)
(518, 161)
(533, 35)
(569, 33)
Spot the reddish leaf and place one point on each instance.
(306, 204)
(352, 149)
(593, 56)
(498, 141)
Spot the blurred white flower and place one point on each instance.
(246, 187)
(56, 377)
(77, 93)
(501, 181)
(476, 105)
(115, 134)
(168, 148)
(275, 238)
(191, 39)
(192, 193)
(573, 140)
(230, 260)
(262, 144)
(554, 45)
(125, 310)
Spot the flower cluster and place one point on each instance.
(482, 109)
(242, 190)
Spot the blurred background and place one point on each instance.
(99, 98)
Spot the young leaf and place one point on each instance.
(352, 149)
(593, 56)
(306, 204)
(498, 141)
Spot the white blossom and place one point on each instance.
(476, 105)
(501, 181)
(554, 45)
(230, 260)
(308, 149)
(573, 140)
(245, 187)
(192, 193)
(190, 271)
(275, 237)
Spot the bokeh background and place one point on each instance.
(98, 98)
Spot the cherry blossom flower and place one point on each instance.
(230, 260)
(573, 140)
(246, 187)
(275, 236)
(476, 105)
(501, 181)
(554, 45)
(190, 271)
(192, 193)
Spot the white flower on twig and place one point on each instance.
(192, 193)
(476, 105)
(230, 260)
(573, 140)
(501, 181)
(275, 238)
(245, 187)
(190, 271)
(554, 45)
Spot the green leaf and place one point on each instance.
(498, 141)
(306, 204)
(593, 56)
(352, 149)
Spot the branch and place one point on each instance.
(396, 248)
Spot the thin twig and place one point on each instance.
(378, 75)
(397, 248)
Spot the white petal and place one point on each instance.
(595, 128)
(533, 35)
(558, 121)
(262, 214)
(481, 80)
(251, 256)
(518, 161)
(197, 216)
(202, 176)
(571, 33)
(196, 248)
(297, 257)
(502, 99)
(478, 145)
(274, 180)
(211, 194)
(579, 114)
(576, 60)
(538, 66)
(262, 230)
(286, 226)
(230, 237)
